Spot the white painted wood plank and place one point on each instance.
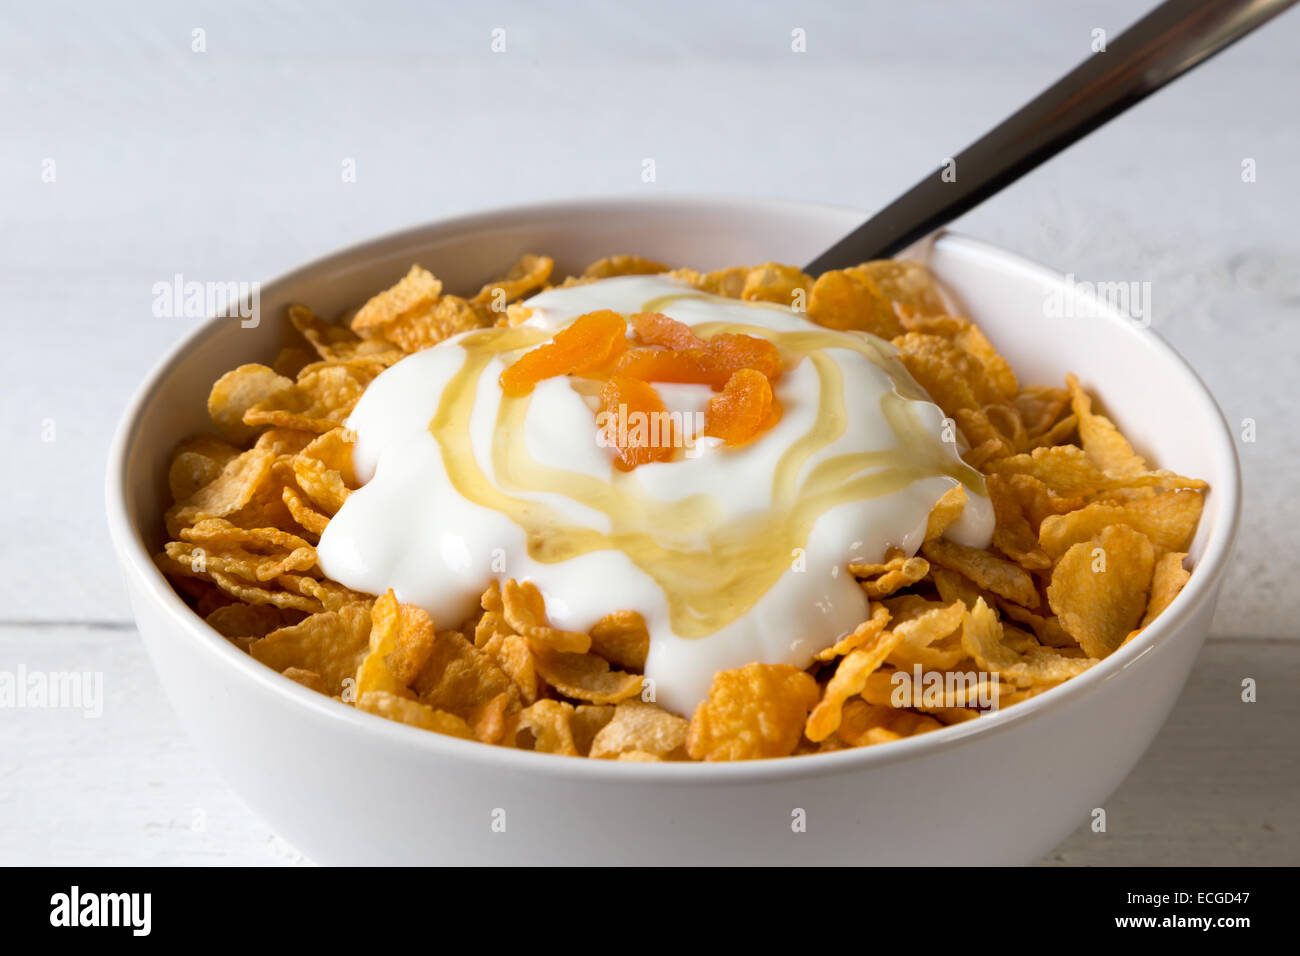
(1217, 787)
(124, 788)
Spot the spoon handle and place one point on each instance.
(1163, 45)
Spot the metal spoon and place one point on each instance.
(1163, 45)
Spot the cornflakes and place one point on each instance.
(1088, 548)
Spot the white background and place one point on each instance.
(227, 165)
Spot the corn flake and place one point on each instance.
(751, 712)
(331, 643)
(637, 726)
(988, 571)
(1099, 588)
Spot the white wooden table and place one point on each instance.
(129, 156)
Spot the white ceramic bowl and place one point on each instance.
(347, 787)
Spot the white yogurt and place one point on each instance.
(437, 517)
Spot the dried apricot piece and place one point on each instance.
(713, 365)
(591, 342)
(689, 367)
(742, 410)
(734, 351)
(636, 423)
(655, 328)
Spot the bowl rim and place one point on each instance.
(136, 561)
